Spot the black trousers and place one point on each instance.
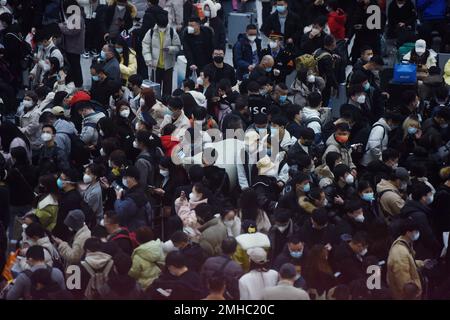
(74, 73)
(93, 39)
(164, 77)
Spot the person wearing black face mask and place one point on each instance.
(219, 69)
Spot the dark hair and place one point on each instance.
(354, 89)
(441, 93)
(96, 169)
(20, 155)
(292, 110)
(360, 237)
(143, 136)
(135, 79)
(389, 154)
(175, 259)
(168, 129)
(112, 216)
(251, 27)
(419, 190)
(342, 127)
(328, 40)
(394, 116)
(149, 98)
(36, 253)
(216, 282)
(92, 245)
(294, 238)
(408, 225)
(49, 183)
(189, 83)
(330, 159)
(365, 48)
(363, 185)
(179, 237)
(119, 158)
(35, 230)
(314, 99)
(229, 245)
(49, 126)
(204, 211)
(41, 276)
(144, 234)
(176, 103)
(253, 86)
(122, 262)
(352, 206)
(409, 96)
(340, 170)
(126, 49)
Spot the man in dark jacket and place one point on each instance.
(219, 69)
(279, 233)
(246, 52)
(103, 86)
(52, 158)
(318, 230)
(327, 68)
(193, 253)
(313, 40)
(353, 220)
(283, 21)
(402, 16)
(150, 16)
(117, 18)
(177, 282)
(293, 252)
(347, 258)
(198, 45)
(132, 206)
(435, 131)
(70, 200)
(231, 270)
(119, 236)
(283, 57)
(419, 210)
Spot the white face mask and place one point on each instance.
(311, 78)
(361, 99)
(282, 228)
(125, 113)
(416, 236)
(120, 7)
(27, 103)
(102, 152)
(24, 226)
(207, 14)
(200, 81)
(87, 179)
(349, 179)
(46, 137)
(193, 197)
(125, 182)
(251, 38)
(198, 123)
(360, 218)
(165, 173)
(228, 223)
(135, 144)
(141, 102)
(363, 253)
(110, 164)
(136, 126)
(190, 30)
(273, 44)
(101, 133)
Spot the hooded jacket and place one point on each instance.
(64, 129)
(89, 133)
(148, 260)
(169, 143)
(185, 210)
(391, 201)
(47, 211)
(377, 142)
(72, 253)
(98, 261)
(151, 47)
(336, 22)
(133, 209)
(346, 153)
(301, 90)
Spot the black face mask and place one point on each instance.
(218, 59)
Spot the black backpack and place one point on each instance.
(23, 51)
(79, 152)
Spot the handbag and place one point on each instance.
(405, 73)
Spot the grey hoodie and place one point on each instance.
(63, 130)
(89, 133)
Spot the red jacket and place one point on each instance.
(168, 143)
(336, 23)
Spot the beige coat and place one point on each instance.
(402, 268)
(391, 202)
(72, 254)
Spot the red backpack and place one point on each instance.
(128, 235)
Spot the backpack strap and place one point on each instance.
(311, 120)
(384, 133)
(88, 268)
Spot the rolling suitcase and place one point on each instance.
(237, 22)
(149, 83)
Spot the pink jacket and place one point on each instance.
(185, 210)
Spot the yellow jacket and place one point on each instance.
(247, 241)
(127, 71)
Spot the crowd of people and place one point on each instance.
(240, 184)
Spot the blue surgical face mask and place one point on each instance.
(273, 131)
(95, 78)
(268, 69)
(369, 197)
(412, 130)
(367, 86)
(296, 254)
(119, 50)
(261, 130)
(103, 55)
(306, 187)
(60, 183)
(283, 99)
(281, 9)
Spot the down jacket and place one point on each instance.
(151, 47)
(148, 259)
(377, 142)
(72, 253)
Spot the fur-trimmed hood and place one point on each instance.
(213, 6)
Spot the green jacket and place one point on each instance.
(47, 212)
(146, 259)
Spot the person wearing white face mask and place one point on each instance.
(29, 120)
(51, 157)
(185, 205)
(305, 83)
(348, 258)
(419, 209)
(353, 221)
(198, 45)
(402, 265)
(422, 57)
(247, 52)
(282, 55)
(210, 8)
(93, 193)
(281, 230)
